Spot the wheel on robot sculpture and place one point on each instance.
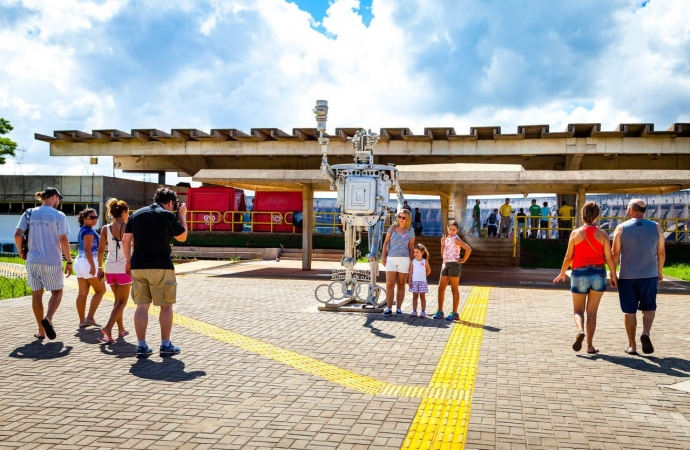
(323, 293)
(337, 286)
(379, 300)
(355, 289)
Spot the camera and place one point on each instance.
(176, 206)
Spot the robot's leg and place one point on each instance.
(348, 261)
(375, 237)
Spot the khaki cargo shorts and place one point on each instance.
(154, 285)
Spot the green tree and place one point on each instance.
(7, 145)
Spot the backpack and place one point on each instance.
(492, 219)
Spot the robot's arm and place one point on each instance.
(321, 111)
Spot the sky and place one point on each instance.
(124, 64)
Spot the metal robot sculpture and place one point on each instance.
(363, 190)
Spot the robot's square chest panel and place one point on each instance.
(360, 195)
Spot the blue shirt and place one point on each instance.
(545, 211)
(399, 244)
(46, 225)
(85, 231)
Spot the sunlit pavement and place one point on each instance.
(261, 368)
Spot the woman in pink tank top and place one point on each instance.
(588, 249)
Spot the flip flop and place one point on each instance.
(592, 351)
(39, 337)
(50, 331)
(577, 345)
(105, 340)
(630, 351)
(647, 346)
(123, 334)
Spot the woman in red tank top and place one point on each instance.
(588, 249)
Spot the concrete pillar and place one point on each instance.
(445, 202)
(581, 199)
(307, 225)
(161, 178)
(459, 201)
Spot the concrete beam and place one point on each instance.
(307, 225)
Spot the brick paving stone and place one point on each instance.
(532, 391)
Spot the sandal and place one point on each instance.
(38, 337)
(592, 351)
(577, 345)
(87, 323)
(647, 346)
(630, 351)
(123, 334)
(105, 340)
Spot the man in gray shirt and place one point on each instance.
(47, 243)
(639, 243)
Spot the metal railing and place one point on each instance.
(680, 226)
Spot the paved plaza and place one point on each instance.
(262, 368)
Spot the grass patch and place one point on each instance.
(13, 288)
(681, 271)
(542, 253)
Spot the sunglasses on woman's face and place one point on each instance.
(402, 217)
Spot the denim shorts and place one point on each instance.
(584, 279)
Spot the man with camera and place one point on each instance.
(41, 238)
(150, 264)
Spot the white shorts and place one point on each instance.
(398, 264)
(41, 276)
(82, 268)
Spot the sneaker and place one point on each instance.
(144, 352)
(422, 315)
(387, 312)
(170, 350)
(413, 313)
(438, 315)
(452, 316)
(398, 311)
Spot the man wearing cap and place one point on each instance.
(639, 243)
(47, 242)
(151, 267)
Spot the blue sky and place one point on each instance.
(78, 64)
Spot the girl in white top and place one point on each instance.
(419, 270)
(115, 275)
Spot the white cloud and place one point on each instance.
(72, 64)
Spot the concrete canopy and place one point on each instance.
(534, 147)
(430, 179)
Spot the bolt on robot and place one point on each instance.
(363, 191)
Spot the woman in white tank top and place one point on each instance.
(115, 275)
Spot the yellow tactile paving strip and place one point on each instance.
(441, 422)
(442, 417)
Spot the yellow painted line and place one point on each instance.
(452, 392)
(441, 421)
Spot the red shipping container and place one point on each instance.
(209, 207)
(278, 208)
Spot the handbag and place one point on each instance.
(25, 235)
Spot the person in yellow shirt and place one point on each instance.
(505, 211)
(563, 212)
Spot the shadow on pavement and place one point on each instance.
(88, 335)
(169, 369)
(37, 350)
(665, 365)
(120, 349)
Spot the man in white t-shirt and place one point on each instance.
(47, 242)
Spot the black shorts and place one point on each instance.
(492, 230)
(637, 294)
(451, 269)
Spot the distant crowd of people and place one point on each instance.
(138, 256)
(535, 225)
